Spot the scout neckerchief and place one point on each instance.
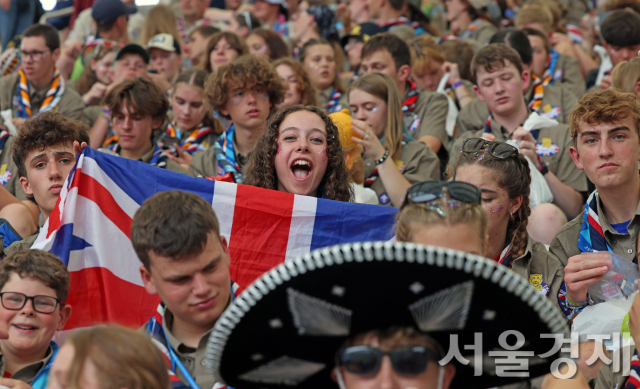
(112, 138)
(51, 100)
(472, 27)
(633, 382)
(334, 100)
(4, 136)
(386, 26)
(226, 155)
(280, 26)
(591, 238)
(374, 174)
(409, 103)
(505, 256)
(158, 158)
(41, 379)
(538, 94)
(487, 127)
(549, 74)
(450, 37)
(194, 141)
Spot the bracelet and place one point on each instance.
(577, 304)
(457, 84)
(384, 157)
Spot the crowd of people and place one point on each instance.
(505, 129)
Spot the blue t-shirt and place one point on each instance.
(621, 228)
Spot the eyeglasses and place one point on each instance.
(35, 55)
(498, 150)
(427, 191)
(42, 304)
(366, 360)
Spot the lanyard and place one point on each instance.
(176, 361)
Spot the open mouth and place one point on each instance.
(301, 168)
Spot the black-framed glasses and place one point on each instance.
(42, 304)
(498, 150)
(424, 192)
(406, 360)
(36, 55)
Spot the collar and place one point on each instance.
(499, 130)
(146, 158)
(604, 223)
(240, 158)
(178, 346)
(29, 372)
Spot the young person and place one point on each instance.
(469, 20)
(267, 44)
(273, 13)
(160, 19)
(223, 48)
(196, 47)
(185, 261)
(391, 13)
(353, 43)
(245, 92)
(34, 286)
(105, 357)
(552, 101)
(425, 113)
(500, 77)
(44, 153)
(299, 88)
(626, 75)
(165, 60)
(193, 127)
(38, 86)
(192, 14)
(552, 67)
(97, 76)
(319, 58)
(138, 108)
(393, 161)
(300, 153)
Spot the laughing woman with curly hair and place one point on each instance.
(300, 152)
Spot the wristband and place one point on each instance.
(457, 84)
(384, 157)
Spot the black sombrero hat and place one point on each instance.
(285, 329)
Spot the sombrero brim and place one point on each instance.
(286, 328)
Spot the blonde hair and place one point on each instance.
(383, 87)
(160, 20)
(424, 51)
(625, 75)
(123, 359)
(417, 213)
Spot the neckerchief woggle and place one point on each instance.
(41, 379)
(226, 156)
(549, 73)
(194, 141)
(333, 105)
(51, 100)
(406, 137)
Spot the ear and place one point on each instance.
(516, 203)
(156, 123)
(24, 183)
(65, 314)
(575, 155)
(449, 373)
(478, 93)
(147, 282)
(526, 79)
(55, 55)
(225, 248)
(637, 89)
(403, 73)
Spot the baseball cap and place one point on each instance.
(133, 48)
(107, 11)
(479, 4)
(164, 42)
(279, 2)
(362, 32)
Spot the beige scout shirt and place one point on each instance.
(205, 163)
(482, 32)
(171, 165)
(431, 108)
(70, 104)
(607, 378)
(554, 141)
(565, 243)
(417, 163)
(29, 372)
(557, 103)
(571, 77)
(23, 244)
(325, 96)
(9, 177)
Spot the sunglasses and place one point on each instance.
(498, 150)
(366, 360)
(424, 192)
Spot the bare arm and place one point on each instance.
(568, 199)
(98, 133)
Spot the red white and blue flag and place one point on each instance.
(89, 230)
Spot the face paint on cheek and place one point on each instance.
(280, 148)
(323, 154)
(235, 101)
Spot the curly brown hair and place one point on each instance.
(261, 171)
(41, 265)
(514, 175)
(245, 72)
(233, 40)
(307, 92)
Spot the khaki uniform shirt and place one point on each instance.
(171, 165)
(70, 104)
(554, 142)
(205, 163)
(91, 114)
(325, 96)
(194, 359)
(29, 372)
(557, 103)
(565, 243)
(482, 33)
(431, 108)
(571, 77)
(23, 244)
(9, 176)
(83, 27)
(417, 163)
(607, 379)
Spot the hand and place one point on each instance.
(634, 319)
(372, 146)
(582, 271)
(14, 384)
(116, 81)
(526, 144)
(160, 80)
(557, 37)
(180, 156)
(452, 69)
(17, 122)
(77, 149)
(605, 83)
(95, 94)
(73, 49)
(488, 137)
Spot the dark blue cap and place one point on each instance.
(107, 11)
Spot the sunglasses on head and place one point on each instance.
(498, 150)
(424, 192)
(406, 360)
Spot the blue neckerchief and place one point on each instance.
(226, 156)
(551, 69)
(333, 105)
(158, 159)
(591, 236)
(41, 379)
